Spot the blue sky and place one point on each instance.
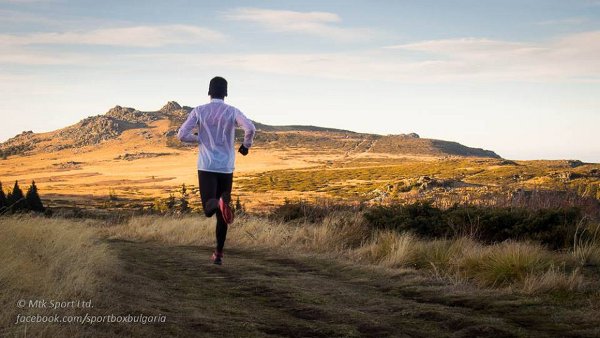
(521, 78)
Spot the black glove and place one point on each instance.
(243, 150)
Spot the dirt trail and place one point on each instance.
(258, 294)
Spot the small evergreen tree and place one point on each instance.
(184, 204)
(238, 207)
(17, 200)
(34, 202)
(3, 200)
(171, 202)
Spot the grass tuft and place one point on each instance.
(503, 264)
(553, 280)
(586, 244)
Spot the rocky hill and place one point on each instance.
(98, 129)
(413, 144)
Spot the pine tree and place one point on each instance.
(184, 204)
(171, 202)
(34, 202)
(17, 200)
(3, 200)
(238, 207)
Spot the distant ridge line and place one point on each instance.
(94, 130)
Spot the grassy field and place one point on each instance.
(267, 178)
(399, 179)
(141, 164)
(333, 278)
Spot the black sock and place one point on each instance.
(221, 232)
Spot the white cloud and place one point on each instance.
(19, 57)
(321, 24)
(136, 36)
(568, 57)
(373, 65)
(466, 47)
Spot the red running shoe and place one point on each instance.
(225, 211)
(217, 258)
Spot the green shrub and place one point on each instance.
(303, 211)
(421, 218)
(552, 227)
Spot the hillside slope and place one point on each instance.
(161, 127)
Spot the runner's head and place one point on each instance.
(217, 88)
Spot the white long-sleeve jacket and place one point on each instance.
(216, 123)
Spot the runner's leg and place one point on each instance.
(208, 183)
(224, 185)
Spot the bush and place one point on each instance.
(302, 211)
(299, 210)
(421, 218)
(553, 227)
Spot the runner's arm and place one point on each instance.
(248, 126)
(185, 131)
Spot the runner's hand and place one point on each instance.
(243, 150)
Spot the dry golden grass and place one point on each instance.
(505, 263)
(70, 259)
(389, 249)
(528, 267)
(553, 279)
(586, 244)
(49, 259)
(170, 230)
(338, 232)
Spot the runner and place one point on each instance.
(215, 123)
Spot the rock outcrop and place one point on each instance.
(19, 144)
(131, 115)
(170, 107)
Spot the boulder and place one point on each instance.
(170, 107)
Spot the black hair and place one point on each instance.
(217, 89)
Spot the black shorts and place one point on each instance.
(212, 187)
